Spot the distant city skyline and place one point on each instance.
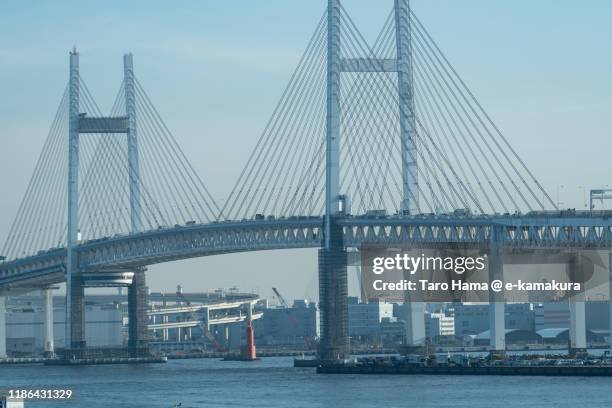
(215, 73)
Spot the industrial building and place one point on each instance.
(297, 325)
(556, 315)
(552, 315)
(439, 325)
(512, 336)
(473, 318)
(26, 332)
(365, 319)
(392, 331)
(174, 321)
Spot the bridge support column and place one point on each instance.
(77, 316)
(206, 316)
(577, 330)
(577, 325)
(497, 323)
(164, 331)
(333, 297)
(497, 315)
(414, 318)
(49, 346)
(137, 315)
(2, 327)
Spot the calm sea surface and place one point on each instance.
(273, 382)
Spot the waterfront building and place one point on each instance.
(297, 325)
(439, 325)
(365, 319)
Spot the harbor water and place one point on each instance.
(273, 382)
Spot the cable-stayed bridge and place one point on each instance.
(370, 143)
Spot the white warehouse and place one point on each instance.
(25, 328)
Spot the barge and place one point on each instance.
(524, 370)
(306, 362)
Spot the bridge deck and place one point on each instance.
(587, 231)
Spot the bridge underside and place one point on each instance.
(132, 252)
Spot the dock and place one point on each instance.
(106, 360)
(22, 360)
(522, 370)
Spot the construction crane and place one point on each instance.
(280, 297)
(286, 306)
(296, 323)
(203, 326)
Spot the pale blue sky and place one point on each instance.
(215, 69)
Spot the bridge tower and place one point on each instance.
(76, 280)
(132, 142)
(137, 291)
(407, 118)
(333, 280)
(333, 285)
(414, 312)
(75, 290)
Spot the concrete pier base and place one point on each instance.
(333, 302)
(77, 316)
(137, 316)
